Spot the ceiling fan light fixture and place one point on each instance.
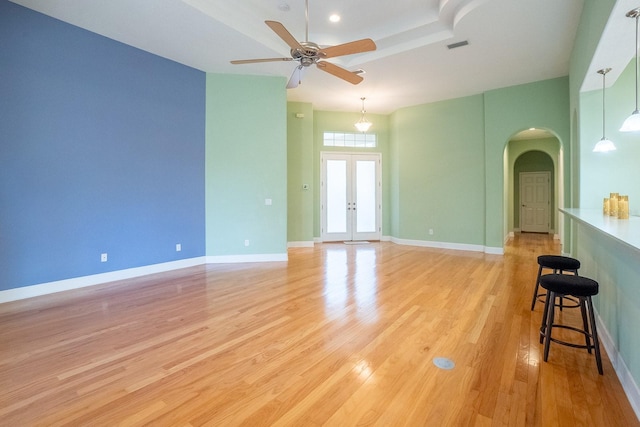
(605, 144)
(632, 123)
(363, 124)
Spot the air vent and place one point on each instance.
(458, 44)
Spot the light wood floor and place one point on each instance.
(340, 335)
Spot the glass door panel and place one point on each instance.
(336, 183)
(365, 196)
(351, 197)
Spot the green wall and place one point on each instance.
(300, 167)
(438, 171)
(543, 105)
(245, 164)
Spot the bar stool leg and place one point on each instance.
(585, 323)
(551, 299)
(535, 291)
(594, 333)
(543, 324)
(561, 298)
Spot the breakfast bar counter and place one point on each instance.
(625, 231)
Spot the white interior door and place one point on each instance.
(535, 201)
(351, 197)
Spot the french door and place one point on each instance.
(351, 196)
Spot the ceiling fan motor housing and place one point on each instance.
(308, 53)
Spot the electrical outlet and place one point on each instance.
(103, 258)
(431, 232)
(178, 247)
(246, 242)
(268, 202)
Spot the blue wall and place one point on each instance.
(101, 150)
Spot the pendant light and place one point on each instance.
(363, 124)
(604, 144)
(632, 123)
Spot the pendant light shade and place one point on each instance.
(632, 124)
(605, 144)
(363, 124)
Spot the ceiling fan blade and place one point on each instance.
(284, 34)
(358, 46)
(337, 71)
(253, 61)
(296, 77)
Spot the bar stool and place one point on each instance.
(581, 288)
(559, 264)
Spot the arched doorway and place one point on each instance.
(533, 198)
(532, 151)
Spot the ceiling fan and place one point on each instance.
(308, 53)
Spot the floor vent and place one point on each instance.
(444, 363)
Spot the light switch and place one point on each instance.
(267, 202)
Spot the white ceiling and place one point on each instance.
(511, 42)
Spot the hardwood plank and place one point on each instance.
(338, 335)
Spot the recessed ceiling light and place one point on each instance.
(284, 7)
(334, 18)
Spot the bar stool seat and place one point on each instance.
(581, 288)
(559, 264)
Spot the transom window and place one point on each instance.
(350, 139)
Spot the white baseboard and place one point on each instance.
(129, 273)
(448, 245)
(94, 279)
(223, 259)
(301, 244)
(382, 239)
(510, 236)
(493, 251)
(624, 375)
